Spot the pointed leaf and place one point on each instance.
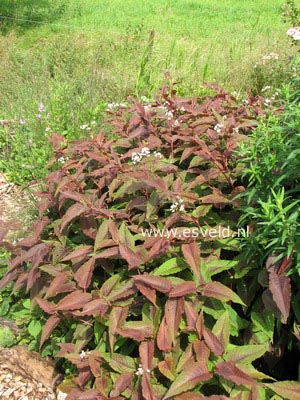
(191, 252)
(212, 342)
(122, 383)
(74, 301)
(83, 275)
(289, 390)
(246, 354)
(280, 287)
(231, 372)
(48, 328)
(219, 291)
(173, 314)
(164, 339)
(188, 379)
(155, 282)
(183, 289)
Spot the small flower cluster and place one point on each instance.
(41, 109)
(266, 58)
(218, 128)
(140, 371)
(271, 56)
(177, 205)
(294, 33)
(83, 354)
(62, 159)
(85, 127)
(145, 152)
(114, 106)
(265, 88)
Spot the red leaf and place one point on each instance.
(78, 253)
(134, 260)
(173, 313)
(202, 352)
(146, 351)
(137, 330)
(149, 293)
(231, 372)
(95, 307)
(48, 328)
(191, 252)
(280, 287)
(212, 342)
(164, 339)
(84, 274)
(45, 305)
(122, 383)
(73, 301)
(190, 377)
(191, 314)
(219, 291)
(117, 318)
(160, 246)
(155, 282)
(183, 289)
(73, 212)
(57, 284)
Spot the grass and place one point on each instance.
(78, 56)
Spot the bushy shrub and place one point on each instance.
(132, 260)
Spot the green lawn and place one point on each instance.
(78, 55)
(98, 46)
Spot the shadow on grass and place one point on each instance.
(26, 14)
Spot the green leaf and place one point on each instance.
(221, 329)
(34, 328)
(246, 354)
(289, 390)
(221, 292)
(263, 323)
(170, 267)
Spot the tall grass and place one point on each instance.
(79, 56)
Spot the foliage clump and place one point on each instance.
(134, 258)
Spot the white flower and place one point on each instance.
(147, 107)
(114, 106)
(236, 130)
(157, 154)
(38, 116)
(62, 159)
(148, 370)
(218, 128)
(294, 33)
(136, 157)
(22, 121)
(139, 371)
(48, 129)
(84, 127)
(265, 88)
(82, 355)
(93, 123)
(245, 101)
(267, 102)
(169, 114)
(177, 205)
(41, 107)
(235, 94)
(176, 123)
(271, 56)
(145, 152)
